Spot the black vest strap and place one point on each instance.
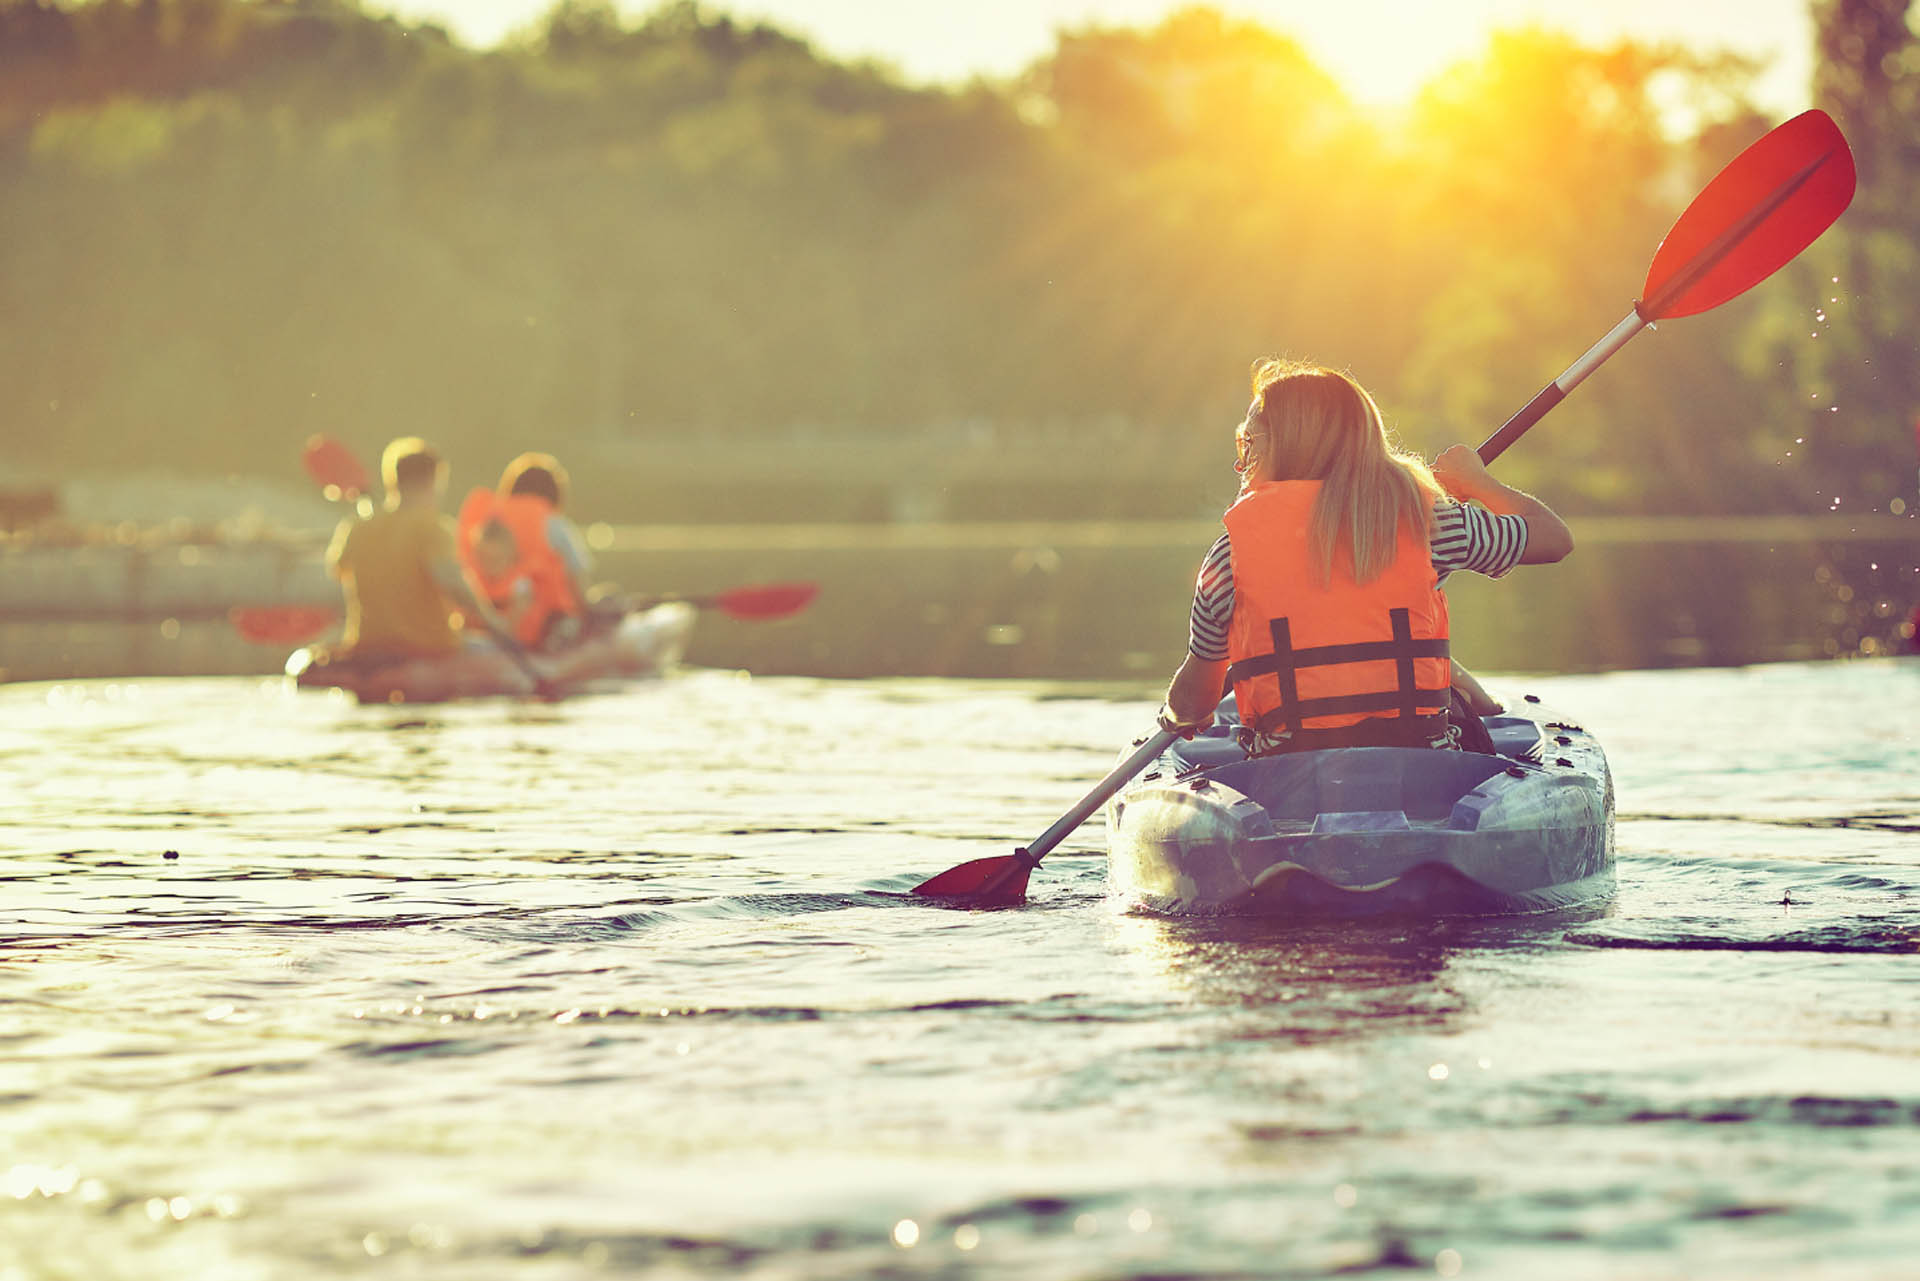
(1285, 662)
(1375, 731)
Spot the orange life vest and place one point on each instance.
(539, 565)
(1314, 657)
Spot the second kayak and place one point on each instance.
(641, 644)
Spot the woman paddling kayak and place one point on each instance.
(1321, 605)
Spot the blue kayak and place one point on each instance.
(1364, 831)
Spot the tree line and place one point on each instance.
(234, 222)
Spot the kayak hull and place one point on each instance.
(1370, 831)
(642, 644)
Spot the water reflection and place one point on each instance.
(1306, 984)
(1317, 983)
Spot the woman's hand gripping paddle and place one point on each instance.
(1773, 200)
(1001, 881)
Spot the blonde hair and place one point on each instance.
(1308, 422)
(538, 474)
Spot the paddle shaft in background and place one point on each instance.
(1773, 200)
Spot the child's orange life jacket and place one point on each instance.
(538, 564)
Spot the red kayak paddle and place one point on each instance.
(332, 466)
(1770, 202)
(282, 624)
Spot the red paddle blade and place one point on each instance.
(334, 468)
(1773, 200)
(281, 624)
(987, 882)
(772, 600)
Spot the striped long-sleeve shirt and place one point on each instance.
(1463, 537)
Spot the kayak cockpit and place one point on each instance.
(1363, 830)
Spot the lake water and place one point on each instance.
(632, 984)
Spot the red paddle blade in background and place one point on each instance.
(1773, 200)
(282, 624)
(771, 600)
(334, 468)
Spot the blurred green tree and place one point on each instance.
(234, 222)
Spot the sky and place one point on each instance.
(1382, 51)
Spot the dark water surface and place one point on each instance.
(631, 984)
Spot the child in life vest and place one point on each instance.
(495, 553)
(1321, 606)
(549, 556)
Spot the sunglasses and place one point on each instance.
(1242, 446)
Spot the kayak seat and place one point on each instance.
(1412, 783)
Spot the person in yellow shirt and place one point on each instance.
(403, 582)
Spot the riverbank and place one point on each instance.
(1088, 599)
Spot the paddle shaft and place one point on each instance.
(1556, 391)
(1102, 792)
